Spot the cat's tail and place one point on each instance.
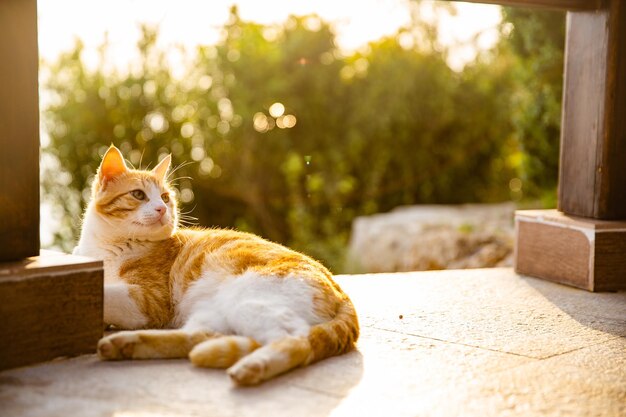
(327, 339)
(336, 336)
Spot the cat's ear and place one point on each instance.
(161, 169)
(112, 164)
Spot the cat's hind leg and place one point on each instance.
(151, 344)
(271, 360)
(222, 352)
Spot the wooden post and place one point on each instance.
(50, 305)
(584, 244)
(592, 177)
(578, 245)
(19, 130)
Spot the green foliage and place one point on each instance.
(537, 43)
(383, 127)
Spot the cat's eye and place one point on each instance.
(165, 197)
(138, 194)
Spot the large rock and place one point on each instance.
(429, 237)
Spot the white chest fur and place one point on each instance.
(120, 309)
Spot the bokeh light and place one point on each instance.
(277, 110)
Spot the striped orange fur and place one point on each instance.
(198, 292)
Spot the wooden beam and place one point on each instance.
(546, 4)
(592, 173)
(19, 130)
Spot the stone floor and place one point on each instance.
(450, 343)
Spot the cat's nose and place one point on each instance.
(161, 210)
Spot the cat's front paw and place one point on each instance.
(117, 346)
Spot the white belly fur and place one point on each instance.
(265, 308)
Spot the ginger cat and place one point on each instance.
(225, 299)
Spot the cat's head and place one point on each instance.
(130, 203)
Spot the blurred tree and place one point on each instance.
(537, 41)
(288, 138)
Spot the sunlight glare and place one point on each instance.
(190, 23)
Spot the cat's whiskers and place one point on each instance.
(180, 212)
(141, 158)
(188, 222)
(187, 218)
(172, 171)
(130, 163)
(173, 180)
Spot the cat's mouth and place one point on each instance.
(156, 222)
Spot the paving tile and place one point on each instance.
(607, 358)
(579, 303)
(86, 387)
(491, 308)
(398, 370)
(588, 382)
(384, 358)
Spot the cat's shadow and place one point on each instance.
(313, 390)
